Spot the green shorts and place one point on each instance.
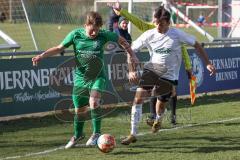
(82, 89)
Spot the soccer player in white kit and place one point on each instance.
(164, 45)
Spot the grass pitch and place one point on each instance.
(209, 130)
(48, 35)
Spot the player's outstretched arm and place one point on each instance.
(205, 58)
(50, 52)
(126, 46)
(139, 23)
(186, 58)
(131, 59)
(186, 61)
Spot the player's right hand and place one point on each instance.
(115, 6)
(36, 60)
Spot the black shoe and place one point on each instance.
(150, 120)
(156, 126)
(173, 120)
(129, 139)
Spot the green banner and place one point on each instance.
(26, 89)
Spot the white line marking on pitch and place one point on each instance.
(140, 134)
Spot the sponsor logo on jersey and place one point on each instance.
(163, 50)
(96, 44)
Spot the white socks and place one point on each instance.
(136, 115)
(159, 117)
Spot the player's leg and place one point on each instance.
(79, 120)
(152, 105)
(94, 103)
(136, 112)
(146, 83)
(136, 115)
(80, 97)
(167, 86)
(173, 105)
(152, 116)
(160, 109)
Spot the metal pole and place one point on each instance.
(187, 11)
(10, 10)
(233, 28)
(223, 7)
(186, 19)
(29, 26)
(95, 6)
(220, 17)
(130, 6)
(8, 39)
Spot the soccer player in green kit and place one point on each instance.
(89, 77)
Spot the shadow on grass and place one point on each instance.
(51, 120)
(188, 143)
(211, 99)
(186, 149)
(216, 149)
(130, 152)
(32, 144)
(28, 123)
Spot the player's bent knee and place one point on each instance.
(138, 100)
(81, 110)
(174, 93)
(140, 96)
(165, 98)
(94, 102)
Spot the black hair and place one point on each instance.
(161, 13)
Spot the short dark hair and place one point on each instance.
(94, 18)
(161, 13)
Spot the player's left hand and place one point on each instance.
(211, 69)
(115, 6)
(133, 77)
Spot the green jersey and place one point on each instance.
(89, 71)
(89, 52)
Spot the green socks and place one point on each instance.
(78, 126)
(96, 120)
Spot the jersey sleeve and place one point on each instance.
(140, 42)
(186, 38)
(186, 58)
(68, 40)
(140, 24)
(111, 36)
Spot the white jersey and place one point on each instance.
(165, 49)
